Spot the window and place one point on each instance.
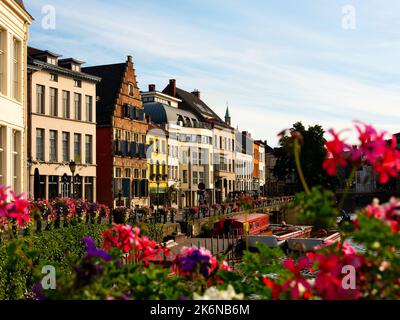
(53, 187)
(40, 99)
(163, 146)
(201, 177)
(127, 173)
(143, 173)
(77, 148)
(2, 162)
(118, 172)
(16, 72)
(52, 60)
(78, 83)
(53, 145)
(16, 162)
(2, 57)
(53, 77)
(40, 144)
(76, 67)
(66, 104)
(117, 134)
(185, 176)
(88, 148)
(89, 108)
(195, 178)
(131, 89)
(89, 190)
(53, 102)
(78, 106)
(143, 138)
(136, 173)
(65, 146)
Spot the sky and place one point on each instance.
(273, 62)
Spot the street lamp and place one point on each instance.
(72, 167)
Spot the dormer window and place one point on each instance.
(76, 67)
(131, 89)
(52, 60)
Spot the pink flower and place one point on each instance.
(348, 249)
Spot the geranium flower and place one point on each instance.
(298, 285)
(336, 149)
(275, 288)
(388, 164)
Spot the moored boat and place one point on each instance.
(309, 244)
(237, 225)
(276, 235)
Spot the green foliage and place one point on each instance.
(61, 248)
(311, 157)
(208, 227)
(247, 278)
(316, 208)
(154, 231)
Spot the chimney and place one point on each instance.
(196, 93)
(129, 58)
(172, 87)
(152, 87)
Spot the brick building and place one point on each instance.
(121, 135)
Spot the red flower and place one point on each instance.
(275, 288)
(299, 287)
(388, 164)
(335, 154)
(128, 240)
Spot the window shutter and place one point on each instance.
(132, 111)
(133, 149)
(115, 187)
(126, 188)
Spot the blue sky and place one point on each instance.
(274, 62)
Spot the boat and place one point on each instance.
(314, 241)
(236, 225)
(277, 234)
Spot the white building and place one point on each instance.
(14, 24)
(190, 147)
(61, 127)
(244, 164)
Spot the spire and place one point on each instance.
(227, 116)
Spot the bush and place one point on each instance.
(61, 248)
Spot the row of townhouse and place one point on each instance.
(89, 132)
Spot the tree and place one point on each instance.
(311, 157)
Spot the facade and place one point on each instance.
(223, 139)
(61, 127)
(256, 167)
(244, 163)
(157, 159)
(271, 182)
(190, 148)
(122, 177)
(261, 166)
(14, 24)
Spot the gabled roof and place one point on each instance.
(196, 105)
(21, 3)
(108, 89)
